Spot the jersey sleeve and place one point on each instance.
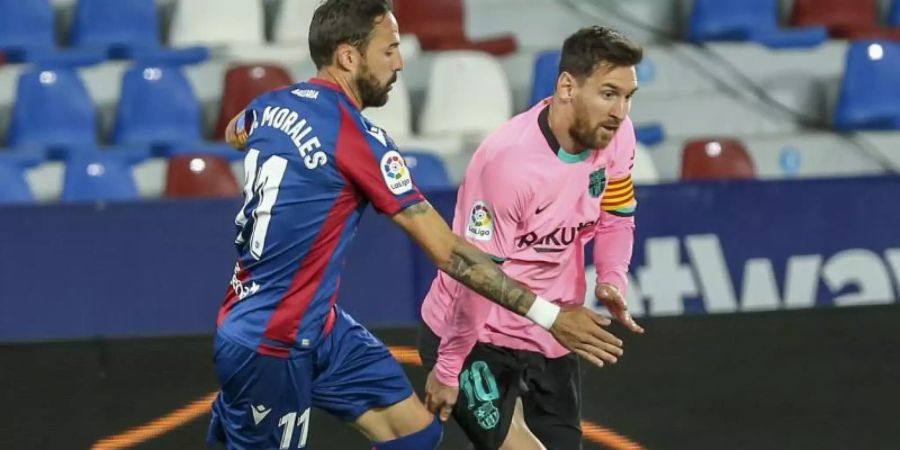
(495, 211)
(614, 238)
(367, 159)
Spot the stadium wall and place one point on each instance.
(162, 268)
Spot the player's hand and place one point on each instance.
(581, 331)
(440, 398)
(615, 303)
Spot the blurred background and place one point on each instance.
(767, 258)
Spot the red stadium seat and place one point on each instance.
(440, 25)
(845, 19)
(243, 84)
(200, 176)
(716, 159)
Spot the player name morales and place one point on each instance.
(299, 131)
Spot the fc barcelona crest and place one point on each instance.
(597, 182)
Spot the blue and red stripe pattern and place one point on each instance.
(314, 163)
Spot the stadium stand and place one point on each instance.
(428, 170)
(157, 107)
(439, 25)
(243, 83)
(15, 188)
(845, 19)
(869, 90)
(748, 20)
(200, 176)
(716, 159)
(765, 95)
(53, 111)
(25, 28)
(117, 27)
(95, 176)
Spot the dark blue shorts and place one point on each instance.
(265, 402)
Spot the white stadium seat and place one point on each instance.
(292, 21)
(467, 94)
(644, 170)
(217, 23)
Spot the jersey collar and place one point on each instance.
(553, 143)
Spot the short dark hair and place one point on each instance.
(591, 46)
(337, 22)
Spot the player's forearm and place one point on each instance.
(613, 247)
(475, 269)
(469, 312)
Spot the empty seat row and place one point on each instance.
(121, 29)
(97, 176)
(108, 175)
(53, 110)
(813, 21)
(803, 155)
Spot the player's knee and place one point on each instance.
(427, 438)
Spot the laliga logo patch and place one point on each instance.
(395, 173)
(481, 223)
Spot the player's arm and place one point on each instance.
(614, 238)
(578, 329)
(238, 130)
(365, 157)
(463, 261)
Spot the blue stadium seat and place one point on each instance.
(14, 188)
(157, 108)
(97, 176)
(869, 91)
(748, 20)
(546, 71)
(893, 18)
(117, 26)
(25, 26)
(428, 170)
(53, 110)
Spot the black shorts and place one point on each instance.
(493, 377)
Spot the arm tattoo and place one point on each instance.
(416, 210)
(475, 269)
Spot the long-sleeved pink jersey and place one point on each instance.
(533, 206)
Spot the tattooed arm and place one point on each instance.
(461, 260)
(577, 328)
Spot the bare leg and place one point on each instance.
(519, 436)
(395, 421)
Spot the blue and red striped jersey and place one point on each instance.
(313, 163)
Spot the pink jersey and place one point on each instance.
(533, 207)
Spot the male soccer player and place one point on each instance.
(313, 164)
(536, 191)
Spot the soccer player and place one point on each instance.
(313, 163)
(536, 191)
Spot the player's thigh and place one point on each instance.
(382, 424)
(357, 374)
(519, 436)
(264, 402)
(489, 383)
(553, 409)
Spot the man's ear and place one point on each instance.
(565, 87)
(347, 57)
